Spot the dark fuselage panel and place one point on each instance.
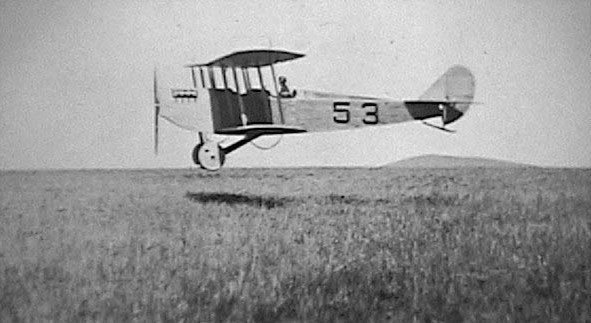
(225, 108)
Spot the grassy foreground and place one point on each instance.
(306, 245)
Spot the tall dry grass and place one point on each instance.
(305, 245)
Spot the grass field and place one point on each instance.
(296, 245)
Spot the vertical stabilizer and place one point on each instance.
(456, 84)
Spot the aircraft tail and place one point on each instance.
(449, 97)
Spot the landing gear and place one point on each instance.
(209, 155)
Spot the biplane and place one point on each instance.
(232, 97)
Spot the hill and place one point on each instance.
(442, 161)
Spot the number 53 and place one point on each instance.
(342, 114)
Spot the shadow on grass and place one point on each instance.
(268, 202)
(333, 199)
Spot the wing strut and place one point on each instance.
(240, 101)
(194, 77)
(202, 78)
(260, 77)
(277, 94)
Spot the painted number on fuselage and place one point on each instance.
(342, 113)
(371, 115)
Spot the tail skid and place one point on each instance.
(438, 127)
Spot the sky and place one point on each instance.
(76, 77)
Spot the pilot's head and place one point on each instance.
(282, 79)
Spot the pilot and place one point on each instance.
(284, 92)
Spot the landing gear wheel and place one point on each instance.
(209, 155)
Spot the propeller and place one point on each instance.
(156, 112)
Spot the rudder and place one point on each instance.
(456, 84)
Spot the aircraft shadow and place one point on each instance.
(268, 202)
